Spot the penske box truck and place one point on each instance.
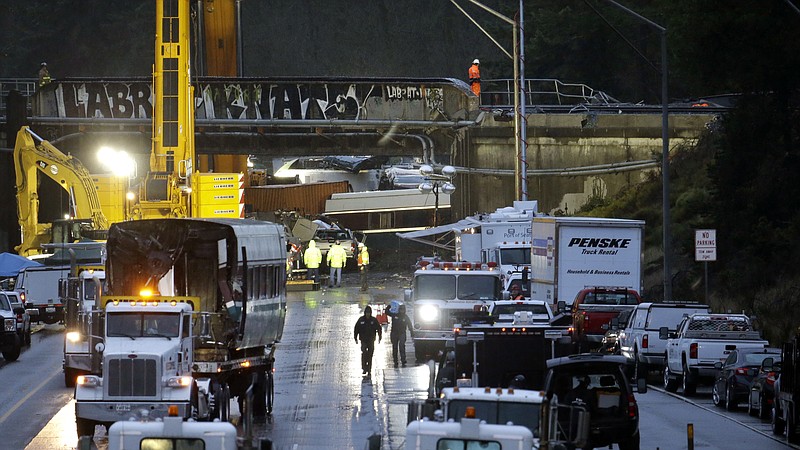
(573, 253)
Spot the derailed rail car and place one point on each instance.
(237, 270)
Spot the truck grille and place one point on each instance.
(132, 377)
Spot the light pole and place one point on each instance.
(664, 147)
(520, 132)
(436, 182)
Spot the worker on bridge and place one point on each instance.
(44, 75)
(337, 258)
(312, 258)
(475, 77)
(363, 265)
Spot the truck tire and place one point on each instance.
(270, 391)
(69, 377)
(85, 427)
(715, 396)
(670, 382)
(777, 422)
(12, 353)
(632, 443)
(689, 385)
(763, 407)
(640, 369)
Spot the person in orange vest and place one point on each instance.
(475, 77)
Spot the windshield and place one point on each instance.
(135, 325)
(478, 287)
(667, 317)
(440, 287)
(5, 305)
(511, 309)
(609, 298)
(516, 256)
(498, 413)
(89, 290)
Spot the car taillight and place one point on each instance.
(741, 371)
(19, 318)
(693, 351)
(633, 409)
(645, 341)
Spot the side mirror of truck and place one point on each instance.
(561, 306)
(505, 295)
(19, 310)
(407, 296)
(717, 365)
(663, 333)
(767, 365)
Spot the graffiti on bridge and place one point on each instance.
(266, 101)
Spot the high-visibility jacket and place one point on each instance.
(475, 79)
(337, 257)
(363, 257)
(312, 256)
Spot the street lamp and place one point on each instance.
(434, 183)
(667, 237)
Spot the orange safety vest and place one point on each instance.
(475, 79)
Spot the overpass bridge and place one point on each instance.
(581, 142)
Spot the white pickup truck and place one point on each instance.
(701, 341)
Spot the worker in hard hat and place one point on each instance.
(475, 77)
(363, 264)
(312, 258)
(337, 258)
(44, 75)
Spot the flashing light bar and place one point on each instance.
(149, 301)
(459, 265)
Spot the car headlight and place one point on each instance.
(87, 381)
(10, 324)
(179, 381)
(73, 336)
(428, 313)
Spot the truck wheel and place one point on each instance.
(640, 369)
(689, 385)
(670, 383)
(221, 402)
(270, 391)
(777, 422)
(12, 354)
(49, 320)
(69, 377)
(632, 443)
(85, 427)
(260, 397)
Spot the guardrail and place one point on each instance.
(25, 86)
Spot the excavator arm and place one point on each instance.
(33, 156)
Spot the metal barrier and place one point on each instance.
(542, 91)
(25, 86)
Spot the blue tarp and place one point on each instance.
(11, 264)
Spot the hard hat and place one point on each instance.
(44, 63)
(360, 245)
(337, 242)
(475, 61)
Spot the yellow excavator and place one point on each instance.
(172, 187)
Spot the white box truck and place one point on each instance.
(572, 253)
(38, 288)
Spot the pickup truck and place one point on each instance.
(701, 341)
(593, 309)
(640, 341)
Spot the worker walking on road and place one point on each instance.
(363, 265)
(400, 323)
(475, 77)
(366, 329)
(337, 258)
(312, 258)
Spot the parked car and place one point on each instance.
(762, 388)
(23, 318)
(732, 384)
(10, 342)
(597, 383)
(325, 237)
(610, 342)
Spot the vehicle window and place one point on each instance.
(731, 359)
(666, 317)
(466, 444)
(138, 325)
(5, 305)
(517, 256)
(755, 359)
(172, 444)
(440, 287)
(609, 298)
(478, 287)
(638, 318)
(511, 309)
(524, 414)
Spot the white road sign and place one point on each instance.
(705, 245)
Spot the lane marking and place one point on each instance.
(28, 395)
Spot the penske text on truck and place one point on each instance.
(572, 253)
